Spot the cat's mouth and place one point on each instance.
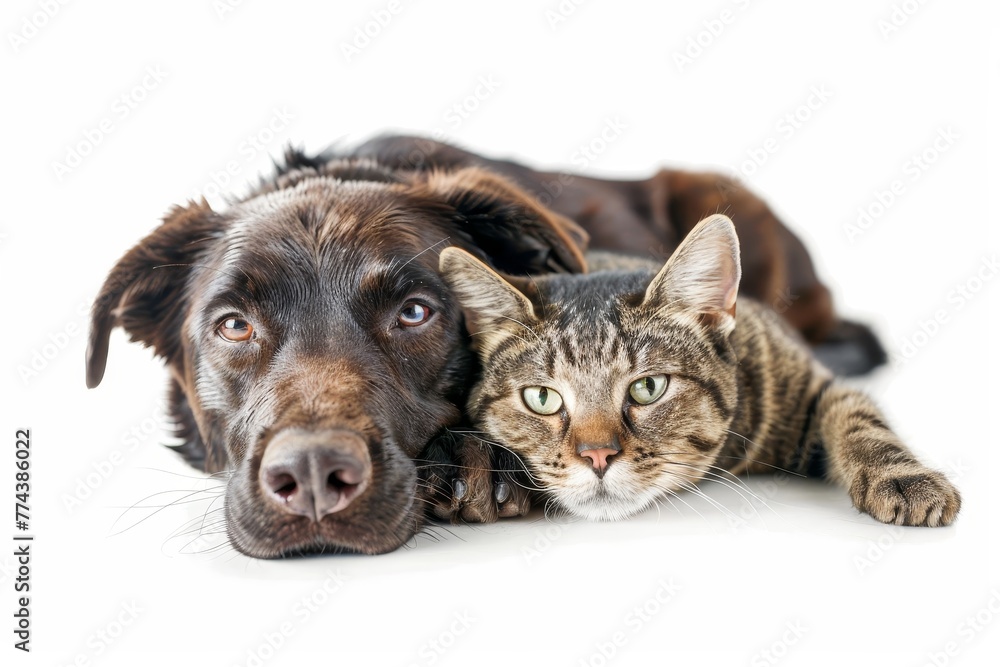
(607, 498)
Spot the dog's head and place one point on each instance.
(313, 347)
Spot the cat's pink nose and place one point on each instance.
(599, 458)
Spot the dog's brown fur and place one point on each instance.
(321, 261)
(649, 218)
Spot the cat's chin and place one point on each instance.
(605, 505)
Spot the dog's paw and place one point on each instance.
(478, 484)
(511, 489)
(921, 497)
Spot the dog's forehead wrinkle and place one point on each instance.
(337, 256)
(314, 189)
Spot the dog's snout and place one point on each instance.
(314, 473)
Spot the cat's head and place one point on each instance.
(615, 388)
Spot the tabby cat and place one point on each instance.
(620, 387)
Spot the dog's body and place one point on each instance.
(313, 347)
(649, 218)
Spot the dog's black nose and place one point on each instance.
(314, 473)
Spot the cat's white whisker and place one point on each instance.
(730, 481)
(671, 492)
(694, 490)
(754, 461)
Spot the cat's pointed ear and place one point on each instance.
(493, 307)
(703, 274)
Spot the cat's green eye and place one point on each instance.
(542, 400)
(648, 389)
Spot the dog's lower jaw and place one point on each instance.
(408, 526)
(315, 539)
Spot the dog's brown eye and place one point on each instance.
(413, 314)
(235, 330)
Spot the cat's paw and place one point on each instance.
(479, 484)
(921, 497)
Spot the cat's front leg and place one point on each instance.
(882, 475)
(465, 479)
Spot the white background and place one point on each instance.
(531, 591)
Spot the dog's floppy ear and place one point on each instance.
(507, 224)
(143, 293)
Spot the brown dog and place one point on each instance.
(314, 349)
(648, 218)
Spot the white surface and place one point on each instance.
(864, 594)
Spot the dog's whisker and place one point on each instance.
(159, 508)
(214, 477)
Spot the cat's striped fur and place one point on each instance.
(743, 393)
